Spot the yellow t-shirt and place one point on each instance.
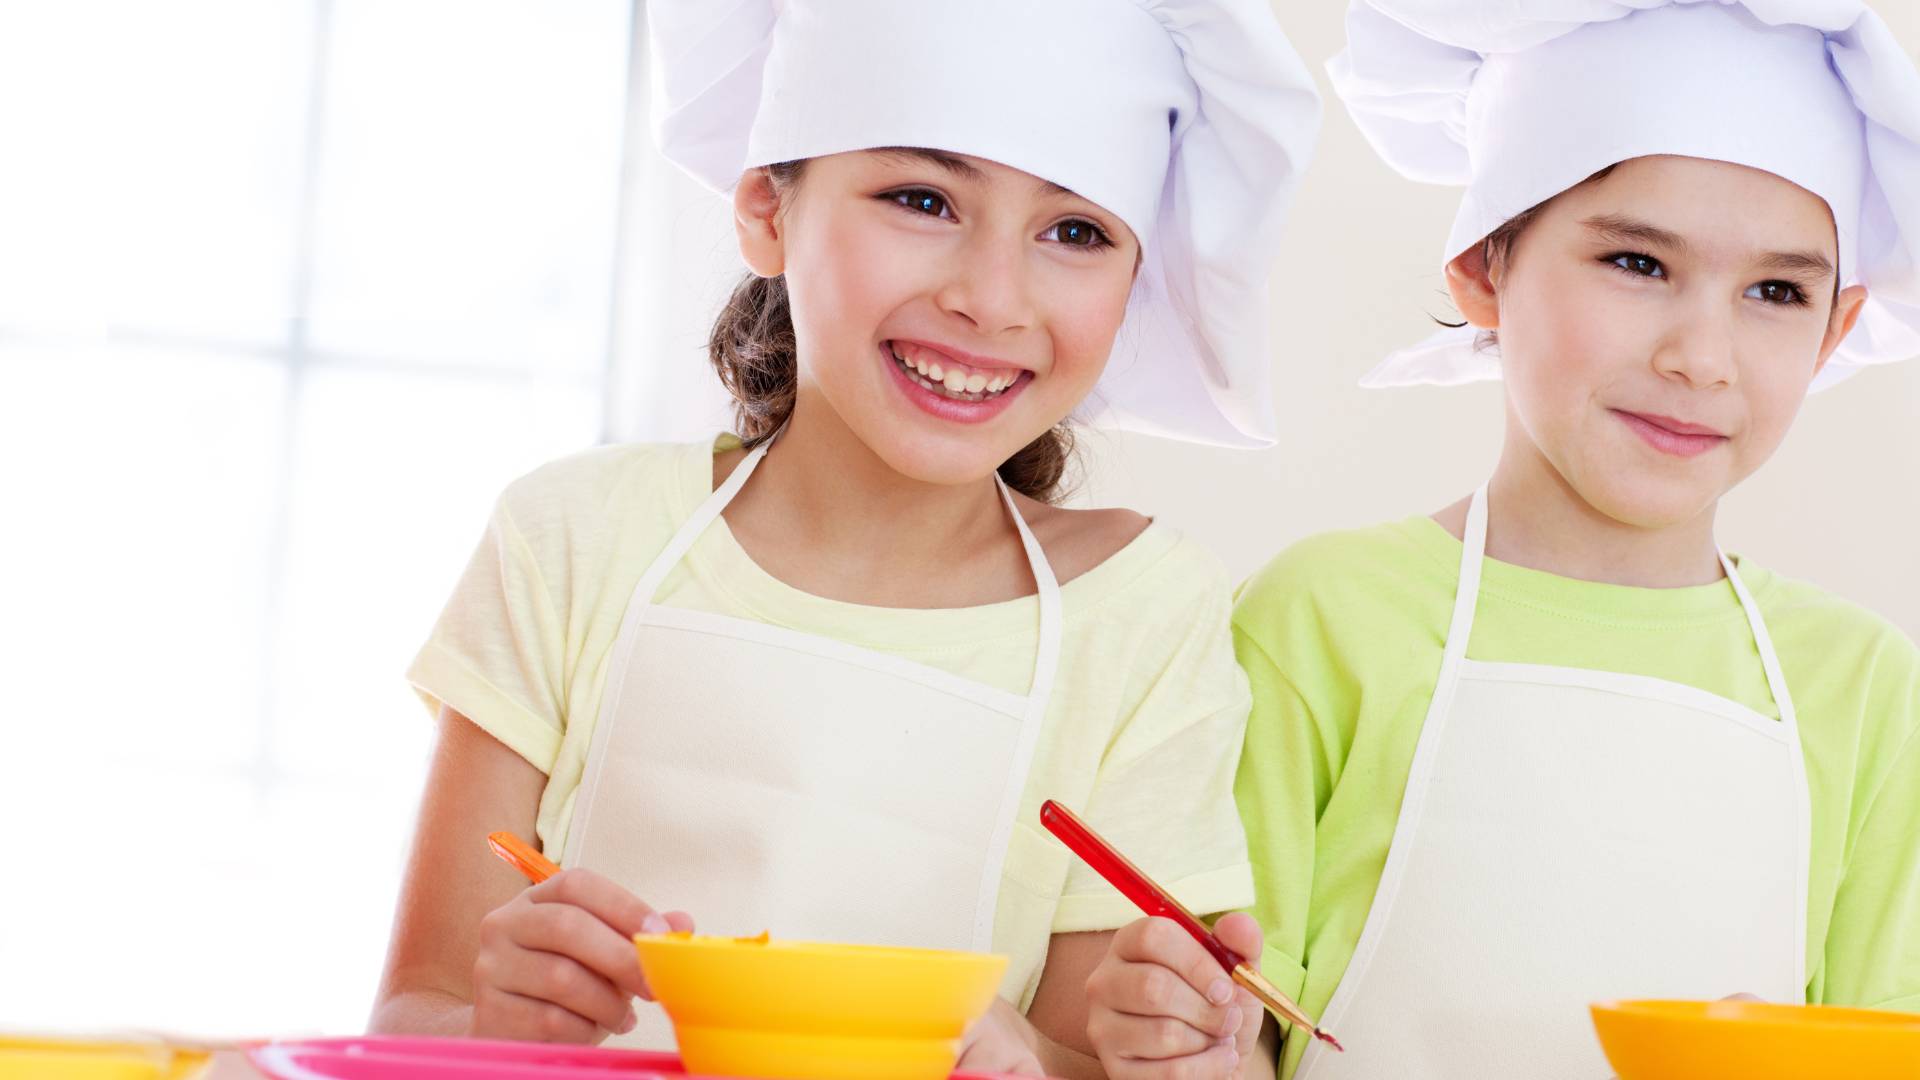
(1142, 734)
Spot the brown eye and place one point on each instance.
(1778, 292)
(922, 201)
(1078, 233)
(1639, 265)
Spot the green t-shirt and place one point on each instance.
(1342, 634)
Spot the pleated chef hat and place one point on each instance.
(1190, 120)
(1521, 101)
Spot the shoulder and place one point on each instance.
(1339, 601)
(604, 483)
(1351, 566)
(1811, 623)
(1134, 584)
(1077, 541)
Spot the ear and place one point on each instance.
(756, 223)
(1846, 312)
(1470, 283)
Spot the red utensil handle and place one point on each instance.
(1128, 878)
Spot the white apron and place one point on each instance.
(1568, 836)
(764, 779)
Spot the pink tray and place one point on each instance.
(377, 1057)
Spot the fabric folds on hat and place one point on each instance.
(1190, 120)
(1519, 102)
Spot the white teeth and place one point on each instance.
(956, 384)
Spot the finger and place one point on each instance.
(1153, 991)
(506, 1015)
(1216, 1063)
(608, 902)
(1252, 1015)
(1148, 1038)
(568, 984)
(1163, 942)
(577, 934)
(1241, 933)
(679, 922)
(1186, 975)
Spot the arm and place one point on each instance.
(1051, 1039)
(1059, 1009)
(475, 785)
(475, 952)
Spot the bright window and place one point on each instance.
(289, 289)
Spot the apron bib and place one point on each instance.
(1568, 836)
(765, 779)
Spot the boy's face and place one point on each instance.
(1660, 326)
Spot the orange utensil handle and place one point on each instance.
(520, 855)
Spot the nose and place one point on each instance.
(1699, 349)
(990, 285)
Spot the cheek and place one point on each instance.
(1776, 369)
(840, 290)
(1560, 345)
(1084, 309)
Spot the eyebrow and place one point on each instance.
(1620, 229)
(955, 166)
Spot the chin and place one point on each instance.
(1648, 501)
(928, 457)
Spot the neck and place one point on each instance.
(1536, 519)
(824, 492)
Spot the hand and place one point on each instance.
(1160, 1006)
(557, 962)
(1001, 1042)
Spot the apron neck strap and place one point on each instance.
(694, 527)
(1466, 597)
(1473, 551)
(1769, 659)
(1045, 585)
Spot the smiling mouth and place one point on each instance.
(1672, 436)
(949, 378)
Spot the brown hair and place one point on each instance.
(752, 349)
(1497, 248)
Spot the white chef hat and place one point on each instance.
(1519, 102)
(1190, 120)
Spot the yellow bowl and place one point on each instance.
(749, 1007)
(1748, 1040)
(34, 1058)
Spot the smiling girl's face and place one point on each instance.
(1659, 327)
(949, 309)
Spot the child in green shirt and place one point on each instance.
(1549, 745)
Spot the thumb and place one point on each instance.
(1241, 933)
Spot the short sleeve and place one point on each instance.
(1283, 782)
(1873, 942)
(496, 654)
(1163, 794)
